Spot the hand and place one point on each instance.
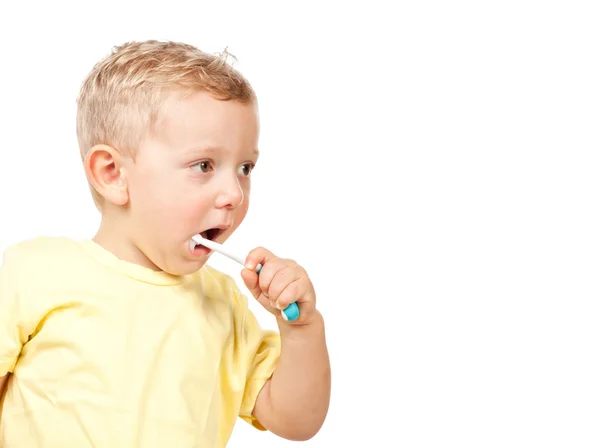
(281, 282)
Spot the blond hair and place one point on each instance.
(120, 99)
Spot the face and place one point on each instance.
(192, 176)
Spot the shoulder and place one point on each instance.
(42, 249)
(29, 272)
(39, 255)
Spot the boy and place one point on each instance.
(129, 339)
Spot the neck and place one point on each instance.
(114, 236)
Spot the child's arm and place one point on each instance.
(294, 402)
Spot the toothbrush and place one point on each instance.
(291, 313)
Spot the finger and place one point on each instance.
(298, 291)
(269, 272)
(281, 280)
(262, 299)
(251, 281)
(257, 256)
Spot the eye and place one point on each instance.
(202, 167)
(246, 169)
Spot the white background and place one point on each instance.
(433, 165)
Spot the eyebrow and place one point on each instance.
(213, 149)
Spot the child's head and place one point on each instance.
(168, 135)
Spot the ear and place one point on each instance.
(105, 170)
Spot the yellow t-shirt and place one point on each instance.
(106, 353)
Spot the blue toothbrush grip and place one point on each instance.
(292, 312)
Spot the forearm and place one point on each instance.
(299, 390)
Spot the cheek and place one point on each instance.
(157, 199)
(197, 207)
(145, 186)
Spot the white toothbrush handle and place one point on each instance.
(292, 312)
(217, 248)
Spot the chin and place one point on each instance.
(186, 267)
(190, 268)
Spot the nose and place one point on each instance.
(230, 193)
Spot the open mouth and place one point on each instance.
(210, 234)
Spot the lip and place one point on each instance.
(221, 229)
(222, 226)
(198, 251)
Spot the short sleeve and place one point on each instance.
(261, 352)
(13, 333)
